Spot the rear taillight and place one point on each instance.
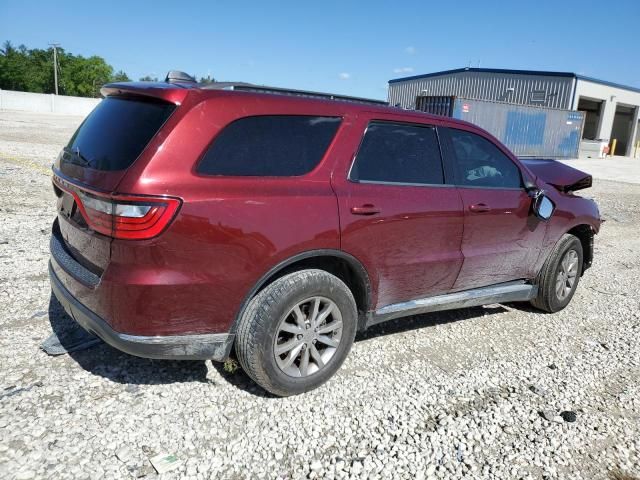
(129, 217)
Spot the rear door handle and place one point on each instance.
(366, 209)
(479, 208)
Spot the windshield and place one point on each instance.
(114, 135)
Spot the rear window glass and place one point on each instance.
(116, 132)
(271, 145)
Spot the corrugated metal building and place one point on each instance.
(610, 110)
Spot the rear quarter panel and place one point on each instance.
(229, 232)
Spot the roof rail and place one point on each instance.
(248, 87)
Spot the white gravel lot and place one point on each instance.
(453, 394)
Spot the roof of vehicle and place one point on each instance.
(248, 87)
(241, 86)
(176, 92)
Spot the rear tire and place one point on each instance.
(295, 334)
(559, 276)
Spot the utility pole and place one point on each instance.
(55, 64)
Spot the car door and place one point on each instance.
(397, 216)
(502, 238)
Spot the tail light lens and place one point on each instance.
(128, 217)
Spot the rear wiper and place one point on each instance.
(85, 162)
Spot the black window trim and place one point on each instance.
(449, 158)
(195, 169)
(401, 184)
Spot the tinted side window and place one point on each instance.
(479, 163)
(273, 145)
(397, 153)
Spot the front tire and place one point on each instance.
(296, 333)
(559, 277)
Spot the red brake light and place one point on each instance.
(129, 217)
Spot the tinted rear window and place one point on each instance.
(116, 132)
(272, 145)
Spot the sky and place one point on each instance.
(344, 47)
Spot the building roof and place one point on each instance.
(541, 73)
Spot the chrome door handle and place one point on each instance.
(480, 208)
(366, 209)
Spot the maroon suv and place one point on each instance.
(194, 222)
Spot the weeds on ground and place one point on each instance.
(231, 366)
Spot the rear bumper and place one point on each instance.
(215, 346)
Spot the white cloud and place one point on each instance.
(403, 70)
(344, 76)
(410, 50)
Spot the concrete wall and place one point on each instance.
(46, 103)
(612, 96)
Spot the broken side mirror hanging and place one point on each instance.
(543, 206)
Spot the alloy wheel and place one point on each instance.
(567, 274)
(308, 337)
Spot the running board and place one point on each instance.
(501, 293)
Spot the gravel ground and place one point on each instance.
(454, 394)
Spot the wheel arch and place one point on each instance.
(585, 233)
(343, 265)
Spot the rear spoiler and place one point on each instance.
(169, 92)
(561, 176)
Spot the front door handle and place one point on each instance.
(480, 208)
(366, 209)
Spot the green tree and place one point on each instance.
(32, 71)
(148, 78)
(39, 70)
(7, 48)
(206, 80)
(19, 70)
(82, 76)
(120, 76)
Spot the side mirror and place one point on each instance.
(543, 206)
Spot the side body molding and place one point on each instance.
(517, 291)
